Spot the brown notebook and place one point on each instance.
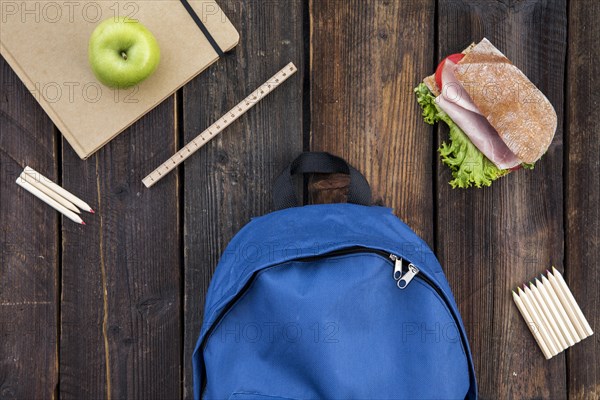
(46, 43)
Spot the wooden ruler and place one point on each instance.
(219, 125)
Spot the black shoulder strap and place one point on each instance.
(284, 195)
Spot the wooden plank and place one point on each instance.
(120, 326)
(582, 191)
(29, 237)
(328, 188)
(491, 240)
(366, 58)
(229, 180)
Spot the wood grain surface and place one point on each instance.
(366, 58)
(120, 308)
(113, 309)
(229, 180)
(29, 265)
(328, 188)
(491, 240)
(582, 191)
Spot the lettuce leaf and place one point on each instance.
(468, 165)
(528, 166)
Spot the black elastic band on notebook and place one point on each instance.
(202, 27)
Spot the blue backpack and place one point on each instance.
(330, 301)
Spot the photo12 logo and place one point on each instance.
(53, 12)
(427, 332)
(95, 11)
(279, 332)
(89, 92)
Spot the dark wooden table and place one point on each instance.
(112, 310)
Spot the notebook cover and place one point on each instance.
(46, 43)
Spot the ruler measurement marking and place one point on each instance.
(217, 127)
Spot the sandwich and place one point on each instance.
(499, 121)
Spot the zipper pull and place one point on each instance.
(408, 276)
(397, 266)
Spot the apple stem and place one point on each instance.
(124, 55)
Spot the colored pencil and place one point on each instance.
(561, 309)
(560, 286)
(55, 196)
(555, 315)
(61, 191)
(530, 324)
(553, 344)
(559, 339)
(50, 201)
(552, 313)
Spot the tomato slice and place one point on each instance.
(455, 58)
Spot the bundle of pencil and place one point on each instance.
(52, 194)
(551, 313)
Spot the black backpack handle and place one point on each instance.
(284, 195)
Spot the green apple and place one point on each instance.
(122, 52)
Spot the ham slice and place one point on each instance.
(456, 102)
(453, 90)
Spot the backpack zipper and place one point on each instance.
(402, 281)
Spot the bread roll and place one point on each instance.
(515, 107)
